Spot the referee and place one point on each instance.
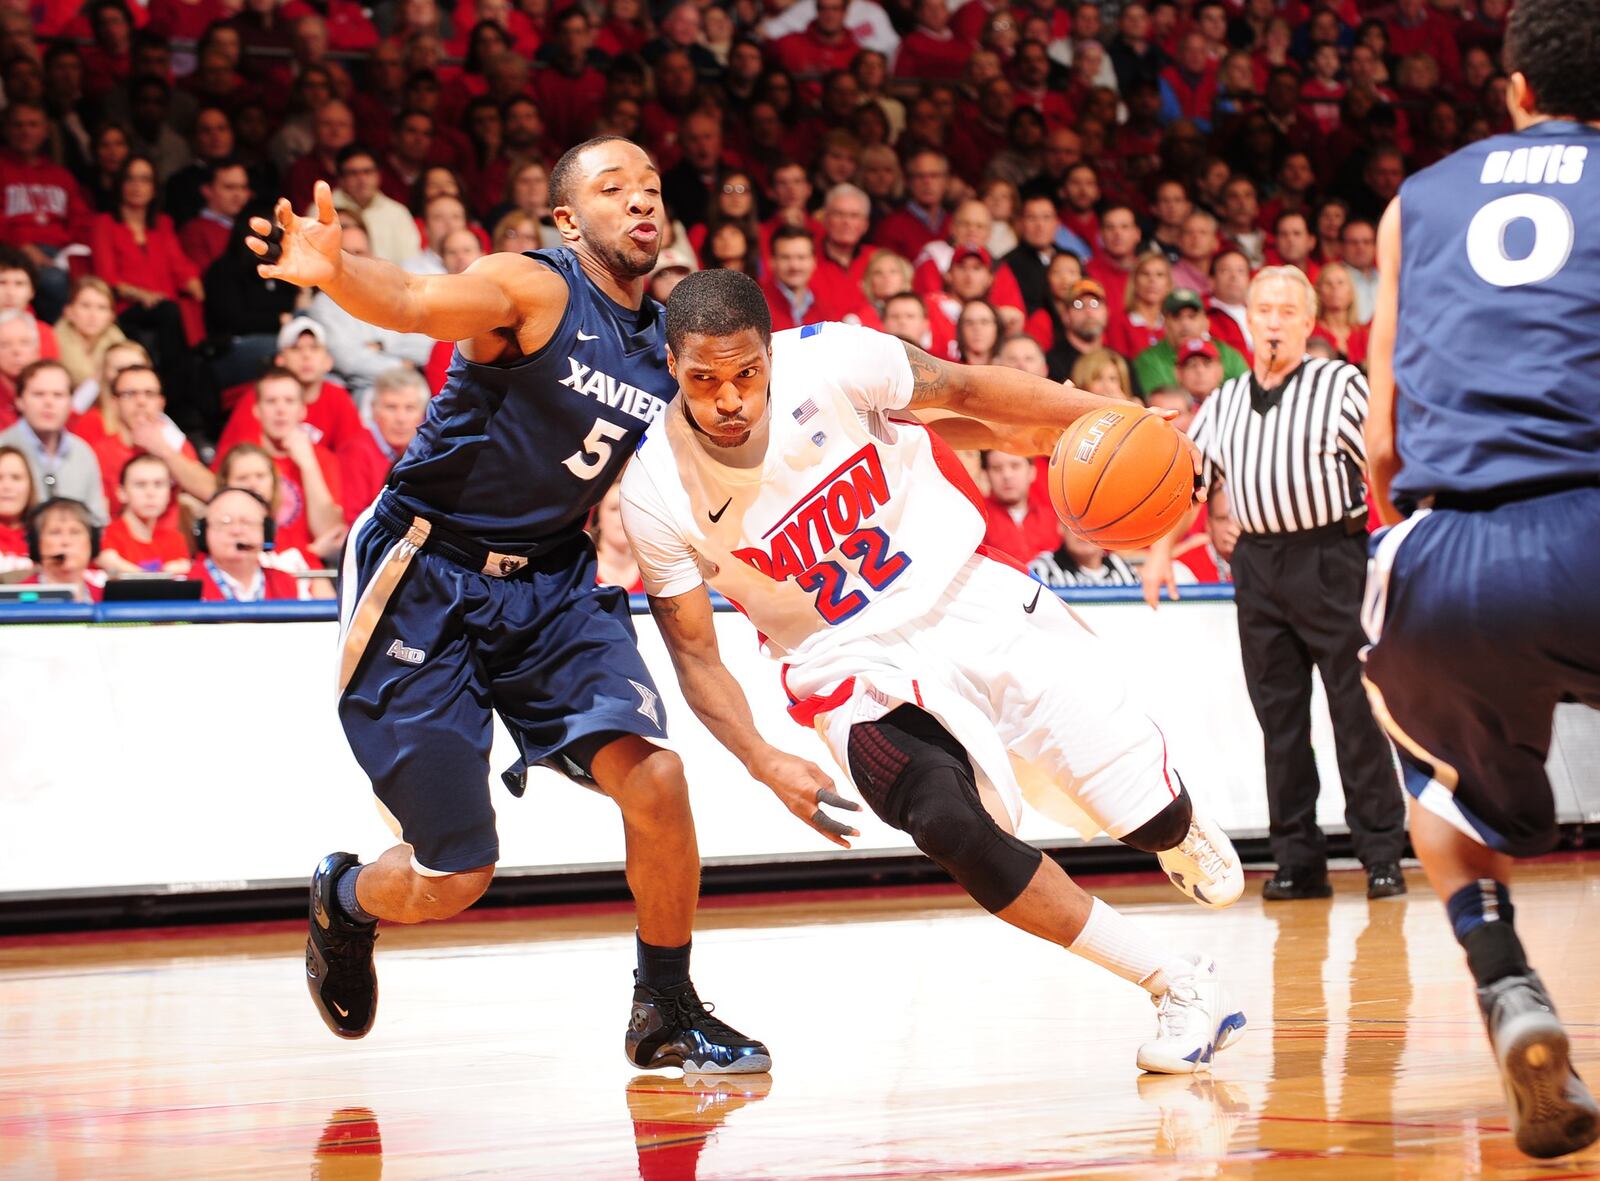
(1287, 439)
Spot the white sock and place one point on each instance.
(1110, 940)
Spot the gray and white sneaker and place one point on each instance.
(1552, 1112)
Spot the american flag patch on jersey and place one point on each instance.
(805, 411)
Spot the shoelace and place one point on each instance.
(1200, 850)
(1172, 1008)
(693, 1013)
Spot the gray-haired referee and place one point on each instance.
(1287, 438)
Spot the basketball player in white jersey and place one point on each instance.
(790, 476)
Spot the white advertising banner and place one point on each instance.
(207, 756)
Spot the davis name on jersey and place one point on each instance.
(848, 509)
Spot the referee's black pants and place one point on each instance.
(1298, 599)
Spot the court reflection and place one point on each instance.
(1341, 995)
(350, 1147)
(675, 1118)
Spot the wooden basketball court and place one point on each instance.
(913, 1037)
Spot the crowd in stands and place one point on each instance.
(1078, 189)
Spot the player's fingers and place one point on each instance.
(267, 272)
(1160, 412)
(256, 245)
(284, 214)
(834, 830)
(324, 196)
(1172, 586)
(261, 226)
(826, 795)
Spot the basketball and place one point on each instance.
(1120, 478)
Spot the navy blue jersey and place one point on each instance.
(515, 456)
(1497, 355)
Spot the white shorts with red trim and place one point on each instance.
(1037, 700)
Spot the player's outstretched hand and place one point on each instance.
(304, 251)
(1156, 573)
(804, 787)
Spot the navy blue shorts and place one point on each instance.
(430, 648)
(1484, 621)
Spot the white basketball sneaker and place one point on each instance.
(1205, 866)
(1194, 1020)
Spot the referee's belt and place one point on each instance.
(430, 536)
(1355, 526)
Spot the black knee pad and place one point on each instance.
(1167, 828)
(916, 777)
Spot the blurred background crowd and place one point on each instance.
(1082, 190)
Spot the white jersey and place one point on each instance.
(854, 522)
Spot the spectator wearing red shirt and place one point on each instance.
(1322, 92)
(333, 128)
(41, 207)
(232, 536)
(922, 218)
(1293, 243)
(137, 252)
(226, 192)
(1197, 246)
(906, 317)
(1018, 526)
(65, 531)
(1337, 322)
(571, 90)
(1189, 85)
(137, 541)
(1417, 28)
(139, 425)
(842, 255)
(791, 193)
(820, 48)
(970, 228)
(330, 411)
(790, 294)
(309, 488)
(1141, 323)
(1118, 251)
(1031, 70)
(1080, 204)
(1225, 309)
(18, 495)
(932, 50)
(398, 405)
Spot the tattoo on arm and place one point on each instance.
(930, 384)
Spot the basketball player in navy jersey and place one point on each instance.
(1484, 445)
(470, 586)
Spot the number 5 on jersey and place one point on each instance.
(597, 447)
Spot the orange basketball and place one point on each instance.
(1120, 478)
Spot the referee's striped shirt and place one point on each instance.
(1293, 459)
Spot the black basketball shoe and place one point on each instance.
(339, 973)
(674, 1027)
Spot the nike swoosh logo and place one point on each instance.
(582, 335)
(717, 516)
(340, 1009)
(1029, 608)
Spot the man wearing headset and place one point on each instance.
(229, 541)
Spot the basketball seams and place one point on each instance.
(1177, 450)
(1106, 466)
